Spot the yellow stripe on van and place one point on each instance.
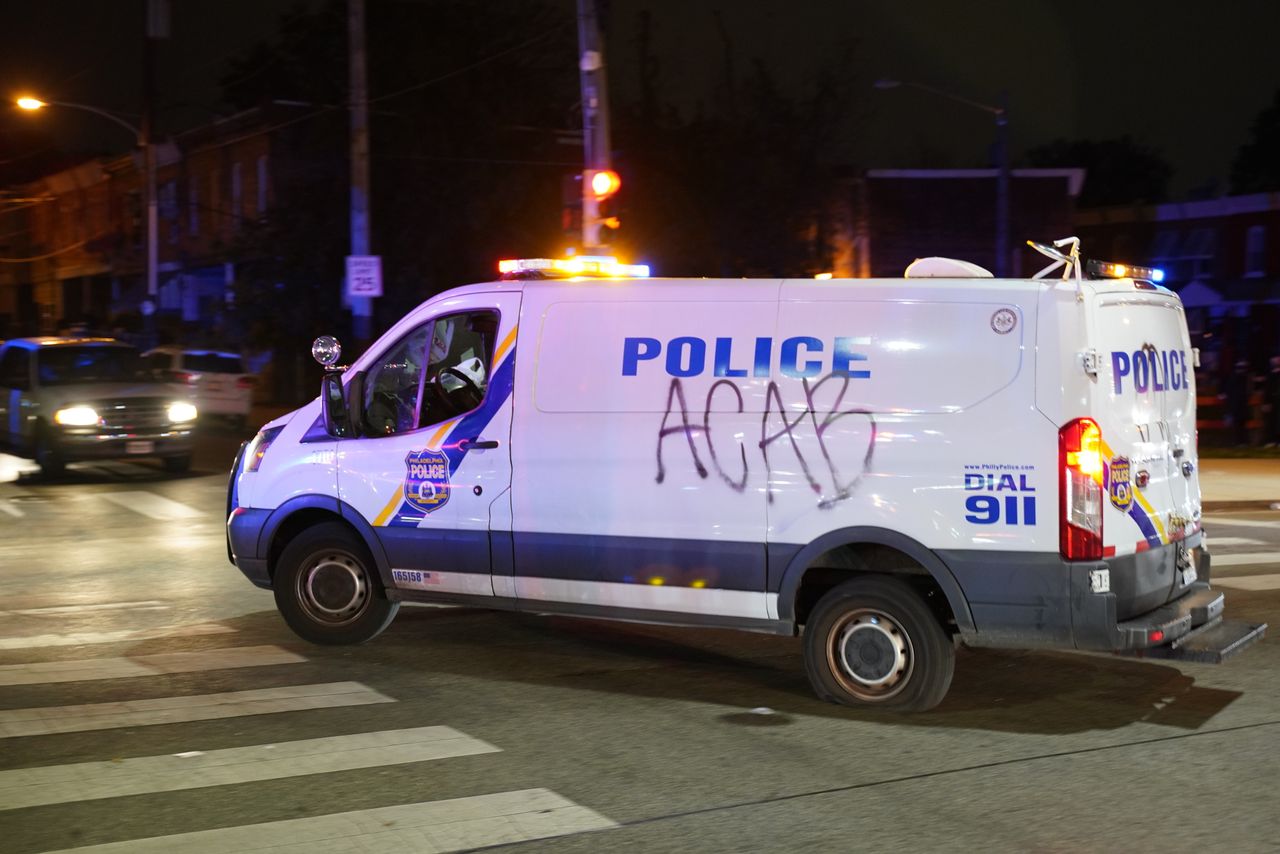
(505, 345)
(434, 442)
(387, 511)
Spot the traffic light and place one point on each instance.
(571, 206)
(603, 186)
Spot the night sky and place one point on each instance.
(1186, 79)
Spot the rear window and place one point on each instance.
(90, 364)
(212, 363)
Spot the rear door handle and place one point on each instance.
(477, 443)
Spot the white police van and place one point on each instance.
(892, 467)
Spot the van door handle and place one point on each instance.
(475, 442)
(1178, 452)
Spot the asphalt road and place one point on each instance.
(148, 692)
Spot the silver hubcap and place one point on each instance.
(333, 588)
(870, 654)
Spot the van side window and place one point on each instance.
(402, 393)
(458, 370)
(15, 369)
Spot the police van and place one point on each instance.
(889, 468)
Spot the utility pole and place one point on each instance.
(157, 28)
(361, 306)
(595, 119)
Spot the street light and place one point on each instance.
(1001, 114)
(142, 136)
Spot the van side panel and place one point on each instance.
(936, 437)
(636, 480)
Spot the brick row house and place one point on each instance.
(75, 240)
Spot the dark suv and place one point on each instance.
(67, 399)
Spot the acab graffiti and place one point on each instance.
(780, 429)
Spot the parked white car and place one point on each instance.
(217, 380)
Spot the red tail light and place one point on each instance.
(244, 382)
(1080, 490)
(188, 377)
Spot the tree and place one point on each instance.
(1117, 171)
(1256, 166)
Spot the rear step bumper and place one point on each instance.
(1190, 628)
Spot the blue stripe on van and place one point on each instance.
(713, 564)
(1149, 531)
(472, 425)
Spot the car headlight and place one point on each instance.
(76, 416)
(179, 412)
(258, 448)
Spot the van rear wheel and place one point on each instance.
(873, 642)
(327, 589)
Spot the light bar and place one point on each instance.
(1110, 270)
(604, 266)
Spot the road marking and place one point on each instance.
(81, 638)
(425, 828)
(6, 507)
(1248, 559)
(56, 610)
(1227, 521)
(1249, 582)
(200, 707)
(1215, 542)
(89, 781)
(150, 504)
(145, 665)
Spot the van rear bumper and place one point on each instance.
(1041, 601)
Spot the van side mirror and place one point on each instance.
(333, 400)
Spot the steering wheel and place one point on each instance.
(473, 393)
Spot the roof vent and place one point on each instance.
(945, 268)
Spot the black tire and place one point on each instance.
(872, 642)
(327, 587)
(46, 453)
(177, 465)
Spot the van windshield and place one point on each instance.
(90, 364)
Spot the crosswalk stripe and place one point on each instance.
(201, 707)
(1215, 542)
(87, 781)
(1244, 559)
(1249, 582)
(150, 504)
(1229, 521)
(145, 665)
(82, 638)
(6, 507)
(58, 610)
(457, 824)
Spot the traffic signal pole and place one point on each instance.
(361, 307)
(595, 119)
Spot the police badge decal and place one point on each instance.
(426, 480)
(1120, 486)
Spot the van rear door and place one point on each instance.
(1144, 402)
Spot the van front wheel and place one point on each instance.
(873, 642)
(327, 588)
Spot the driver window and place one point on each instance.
(401, 393)
(459, 365)
(391, 387)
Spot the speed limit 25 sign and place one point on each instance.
(364, 276)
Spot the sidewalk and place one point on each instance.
(1239, 484)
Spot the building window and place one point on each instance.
(193, 207)
(262, 185)
(237, 195)
(1255, 251)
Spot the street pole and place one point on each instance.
(157, 28)
(361, 307)
(595, 118)
(1002, 187)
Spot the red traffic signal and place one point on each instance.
(603, 183)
